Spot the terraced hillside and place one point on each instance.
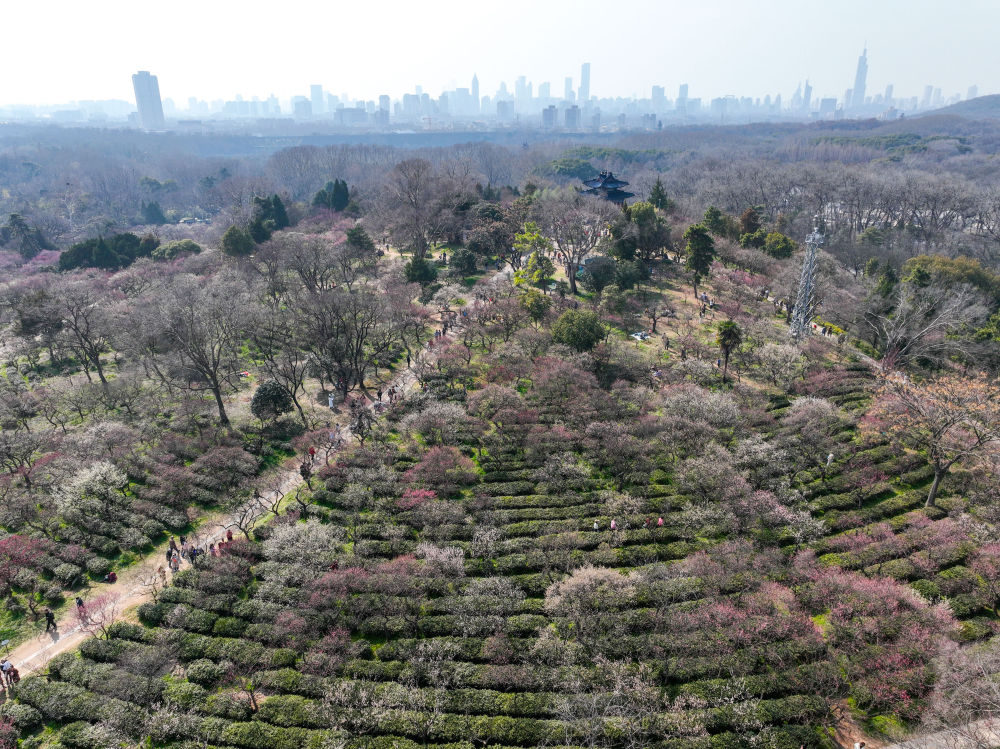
(490, 569)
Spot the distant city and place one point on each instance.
(573, 110)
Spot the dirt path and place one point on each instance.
(136, 583)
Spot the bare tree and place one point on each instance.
(575, 223)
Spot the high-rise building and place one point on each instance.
(659, 97)
(147, 100)
(316, 98)
(549, 117)
(572, 116)
(568, 89)
(584, 83)
(682, 92)
(545, 91)
(888, 95)
(807, 93)
(475, 94)
(973, 92)
(858, 92)
(928, 92)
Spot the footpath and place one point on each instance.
(137, 583)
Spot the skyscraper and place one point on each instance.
(585, 83)
(568, 91)
(147, 100)
(316, 98)
(858, 92)
(973, 92)
(475, 94)
(807, 94)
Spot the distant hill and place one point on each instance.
(980, 108)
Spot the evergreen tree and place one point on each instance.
(715, 221)
(270, 401)
(729, 338)
(102, 256)
(152, 213)
(700, 250)
(418, 270)
(658, 197)
(278, 213)
(237, 242)
(341, 197)
(324, 197)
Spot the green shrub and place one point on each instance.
(98, 567)
(67, 574)
(151, 614)
(229, 706)
(204, 672)
(25, 717)
(228, 626)
(256, 734)
(291, 710)
(184, 694)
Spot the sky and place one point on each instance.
(55, 51)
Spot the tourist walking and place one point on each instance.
(50, 620)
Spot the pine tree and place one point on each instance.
(658, 197)
(700, 252)
(278, 213)
(341, 196)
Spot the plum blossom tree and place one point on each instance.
(952, 419)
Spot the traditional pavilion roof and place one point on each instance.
(609, 186)
(605, 181)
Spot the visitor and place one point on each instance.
(80, 606)
(163, 575)
(407, 360)
(312, 454)
(614, 525)
(646, 522)
(173, 544)
(111, 578)
(229, 535)
(597, 526)
(659, 522)
(50, 620)
(378, 393)
(183, 541)
(212, 550)
(5, 669)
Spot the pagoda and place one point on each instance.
(608, 186)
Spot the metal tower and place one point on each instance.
(802, 311)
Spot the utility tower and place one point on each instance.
(807, 284)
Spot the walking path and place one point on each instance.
(136, 584)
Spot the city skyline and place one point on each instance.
(206, 52)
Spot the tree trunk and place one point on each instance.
(223, 418)
(571, 275)
(725, 367)
(932, 495)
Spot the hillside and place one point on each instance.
(980, 108)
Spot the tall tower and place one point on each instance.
(802, 312)
(807, 94)
(147, 100)
(858, 92)
(317, 98)
(475, 94)
(568, 89)
(584, 83)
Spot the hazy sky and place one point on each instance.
(56, 51)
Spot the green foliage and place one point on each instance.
(184, 694)
(237, 242)
(578, 329)
(418, 270)
(28, 240)
(172, 250)
(658, 197)
(779, 246)
(537, 271)
(360, 241)
(152, 213)
(756, 240)
(463, 261)
(700, 249)
(536, 303)
(715, 221)
(111, 253)
(598, 272)
(568, 168)
(334, 196)
(270, 400)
